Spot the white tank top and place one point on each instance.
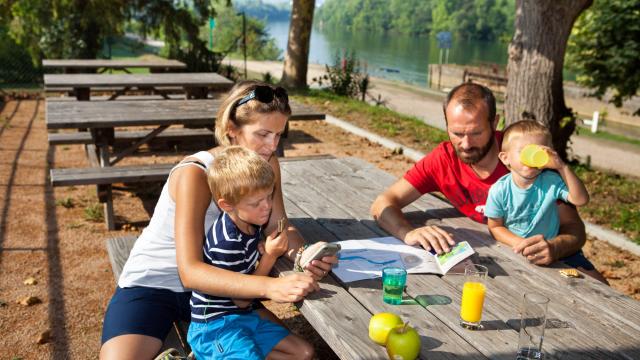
(152, 262)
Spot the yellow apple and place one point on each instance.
(380, 325)
(403, 343)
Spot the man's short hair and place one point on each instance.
(237, 172)
(524, 127)
(468, 95)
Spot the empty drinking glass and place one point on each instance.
(533, 318)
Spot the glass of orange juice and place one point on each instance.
(473, 292)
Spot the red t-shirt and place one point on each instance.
(441, 170)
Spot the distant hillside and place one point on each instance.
(268, 11)
(473, 19)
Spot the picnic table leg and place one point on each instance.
(82, 93)
(103, 138)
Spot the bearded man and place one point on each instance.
(463, 169)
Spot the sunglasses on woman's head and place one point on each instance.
(265, 94)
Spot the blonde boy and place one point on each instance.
(242, 184)
(522, 204)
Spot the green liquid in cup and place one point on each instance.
(393, 282)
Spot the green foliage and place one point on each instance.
(80, 28)
(227, 36)
(615, 201)
(474, 19)
(93, 212)
(405, 129)
(264, 11)
(604, 49)
(66, 203)
(345, 77)
(16, 63)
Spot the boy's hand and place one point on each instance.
(241, 303)
(536, 249)
(555, 162)
(276, 244)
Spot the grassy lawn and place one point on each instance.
(615, 199)
(609, 136)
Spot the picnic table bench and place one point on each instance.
(102, 65)
(329, 200)
(101, 118)
(195, 85)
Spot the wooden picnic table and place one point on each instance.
(329, 200)
(196, 85)
(102, 65)
(102, 118)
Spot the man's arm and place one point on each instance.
(569, 240)
(387, 211)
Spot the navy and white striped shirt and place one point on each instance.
(228, 248)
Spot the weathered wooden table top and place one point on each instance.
(329, 200)
(106, 63)
(211, 80)
(96, 114)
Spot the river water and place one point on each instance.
(395, 57)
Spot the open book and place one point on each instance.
(365, 259)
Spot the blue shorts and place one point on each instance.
(578, 260)
(144, 311)
(243, 336)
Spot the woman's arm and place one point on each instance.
(188, 187)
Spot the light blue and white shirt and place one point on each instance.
(228, 248)
(528, 212)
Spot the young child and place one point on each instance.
(242, 184)
(523, 203)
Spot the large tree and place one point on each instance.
(296, 60)
(536, 59)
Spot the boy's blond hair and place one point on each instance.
(237, 172)
(524, 127)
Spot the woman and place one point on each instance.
(167, 257)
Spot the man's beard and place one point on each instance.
(474, 155)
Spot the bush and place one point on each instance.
(345, 77)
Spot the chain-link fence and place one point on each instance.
(17, 70)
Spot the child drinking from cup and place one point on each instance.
(522, 203)
(242, 185)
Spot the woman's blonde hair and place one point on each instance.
(230, 114)
(237, 172)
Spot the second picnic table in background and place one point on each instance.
(102, 65)
(196, 85)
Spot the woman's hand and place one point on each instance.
(290, 288)
(320, 268)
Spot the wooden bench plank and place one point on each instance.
(110, 175)
(90, 114)
(118, 249)
(210, 80)
(129, 136)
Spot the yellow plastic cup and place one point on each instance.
(534, 155)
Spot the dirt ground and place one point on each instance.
(56, 277)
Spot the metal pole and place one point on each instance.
(244, 42)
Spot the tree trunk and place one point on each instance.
(536, 59)
(296, 60)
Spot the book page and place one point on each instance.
(458, 253)
(365, 259)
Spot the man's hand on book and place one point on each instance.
(430, 237)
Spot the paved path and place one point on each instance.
(427, 106)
